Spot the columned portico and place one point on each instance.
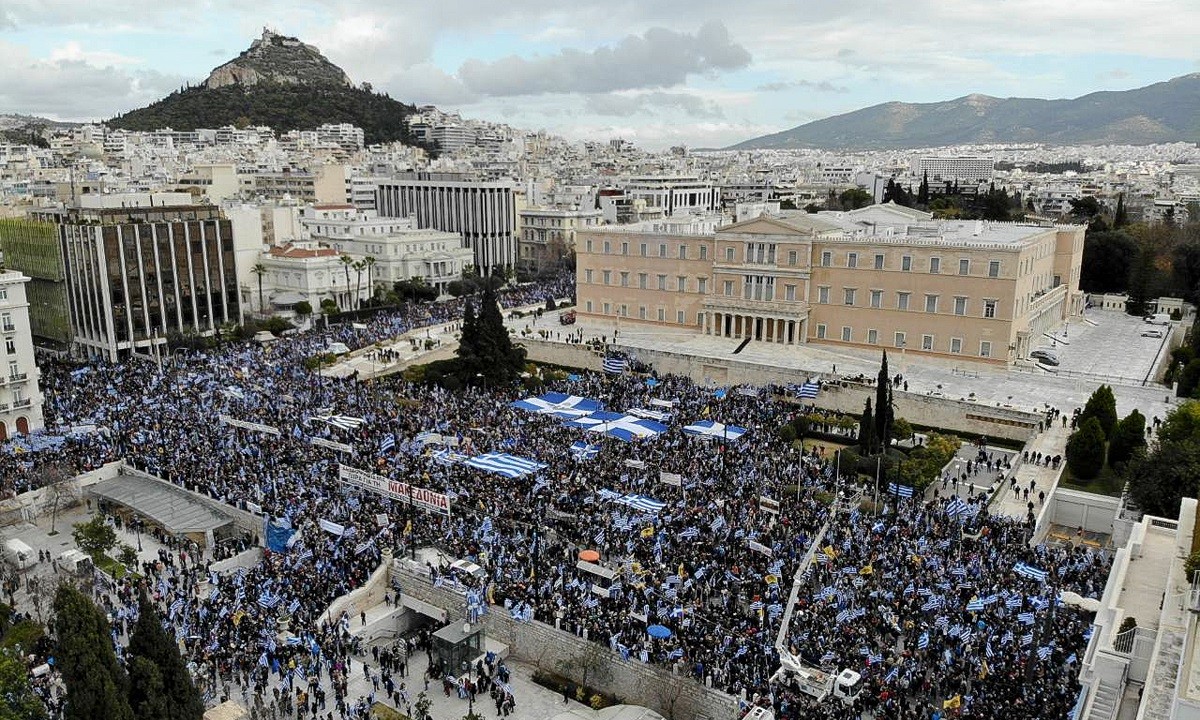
(763, 328)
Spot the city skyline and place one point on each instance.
(659, 74)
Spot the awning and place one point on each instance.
(175, 509)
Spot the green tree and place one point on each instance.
(152, 645)
(1085, 450)
(901, 429)
(97, 687)
(1102, 405)
(1144, 279)
(259, 270)
(1182, 424)
(346, 262)
(1120, 217)
(883, 403)
(94, 537)
(17, 701)
(1189, 379)
(329, 306)
(1107, 258)
(1085, 208)
(1159, 479)
(866, 429)
(303, 308)
(923, 190)
(854, 198)
(1129, 436)
(148, 696)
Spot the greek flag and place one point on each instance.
(176, 606)
(294, 606)
(216, 593)
(756, 605)
(582, 451)
(388, 443)
(957, 507)
(266, 600)
(933, 603)
(615, 365)
(690, 534)
(1025, 617)
(591, 602)
(892, 675)
(923, 642)
(1044, 652)
(903, 491)
(509, 466)
(1026, 639)
(808, 390)
(1013, 602)
(975, 605)
(675, 654)
(1030, 572)
(717, 524)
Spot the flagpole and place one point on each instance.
(878, 465)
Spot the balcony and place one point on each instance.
(3, 408)
(9, 327)
(22, 403)
(18, 377)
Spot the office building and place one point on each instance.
(141, 267)
(20, 398)
(965, 169)
(483, 213)
(32, 248)
(881, 277)
(674, 194)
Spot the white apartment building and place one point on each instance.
(678, 194)
(963, 168)
(20, 398)
(483, 213)
(401, 251)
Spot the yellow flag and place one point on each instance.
(866, 570)
(704, 412)
(237, 617)
(771, 580)
(408, 528)
(952, 703)
(648, 531)
(681, 573)
(828, 550)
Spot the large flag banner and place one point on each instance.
(808, 390)
(615, 365)
(257, 427)
(395, 490)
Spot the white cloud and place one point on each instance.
(658, 58)
(654, 102)
(75, 89)
(72, 51)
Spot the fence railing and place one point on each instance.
(1123, 642)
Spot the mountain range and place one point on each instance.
(279, 82)
(1163, 112)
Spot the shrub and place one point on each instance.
(1085, 450)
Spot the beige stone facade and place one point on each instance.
(975, 291)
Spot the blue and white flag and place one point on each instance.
(923, 642)
(582, 451)
(903, 491)
(1030, 572)
(388, 443)
(509, 466)
(615, 365)
(808, 390)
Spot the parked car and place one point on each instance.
(1045, 357)
(567, 318)
(1153, 332)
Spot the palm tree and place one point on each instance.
(358, 268)
(347, 261)
(259, 270)
(368, 261)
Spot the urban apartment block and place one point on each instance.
(884, 276)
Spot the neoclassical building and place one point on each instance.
(884, 276)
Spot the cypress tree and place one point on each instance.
(156, 649)
(1120, 217)
(923, 190)
(866, 424)
(883, 404)
(97, 686)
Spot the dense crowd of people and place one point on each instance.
(714, 564)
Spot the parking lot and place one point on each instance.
(1114, 348)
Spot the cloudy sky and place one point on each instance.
(659, 72)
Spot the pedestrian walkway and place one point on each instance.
(1011, 502)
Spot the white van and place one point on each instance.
(1158, 319)
(20, 553)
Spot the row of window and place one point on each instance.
(906, 263)
(765, 254)
(903, 301)
(644, 250)
(643, 281)
(643, 314)
(900, 340)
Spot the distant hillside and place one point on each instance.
(279, 82)
(1163, 112)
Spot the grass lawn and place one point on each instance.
(830, 447)
(110, 566)
(1106, 483)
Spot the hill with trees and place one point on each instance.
(282, 83)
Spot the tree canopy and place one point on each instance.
(156, 663)
(97, 686)
(1158, 479)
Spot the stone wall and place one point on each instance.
(673, 695)
(369, 595)
(926, 410)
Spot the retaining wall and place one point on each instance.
(672, 694)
